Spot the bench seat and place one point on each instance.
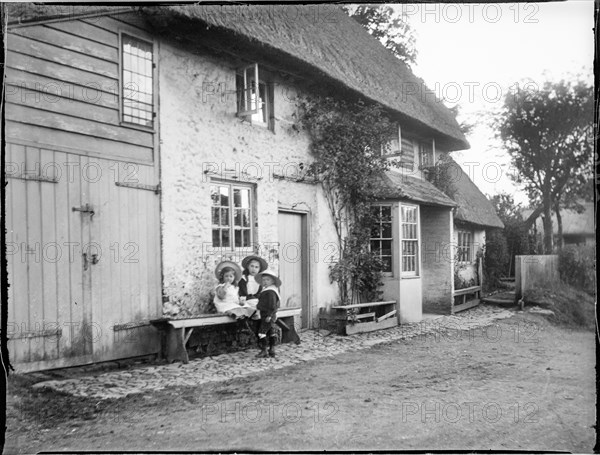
(175, 333)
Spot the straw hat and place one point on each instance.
(236, 268)
(270, 273)
(248, 259)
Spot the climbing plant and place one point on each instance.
(347, 140)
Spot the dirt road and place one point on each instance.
(519, 385)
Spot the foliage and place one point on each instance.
(577, 267)
(547, 134)
(443, 174)
(495, 259)
(383, 23)
(347, 139)
(516, 232)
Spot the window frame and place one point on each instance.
(421, 145)
(417, 239)
(381, 239)
(462, 247)
(140, 36)
(231, 208)
(242, 100)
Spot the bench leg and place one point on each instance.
(176, 345)
(289, 333)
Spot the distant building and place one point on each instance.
(578, 228)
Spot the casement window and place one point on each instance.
(409, 222)
(403, 147)
(255, 97)
(426, 153)
(232, 214)
(137, 81)
(381, 235)
(464, 250)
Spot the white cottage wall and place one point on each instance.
(200, 131)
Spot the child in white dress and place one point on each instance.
(227, 299)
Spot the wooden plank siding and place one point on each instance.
(64, 77)
(64, 133)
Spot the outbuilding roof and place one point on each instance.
(473, 206)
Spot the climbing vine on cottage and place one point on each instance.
(347, 139)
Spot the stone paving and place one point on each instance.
(315, 345)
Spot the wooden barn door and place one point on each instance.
(293, 262)
(83, 258)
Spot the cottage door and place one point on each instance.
(49, 318)
(125, 280)
(293, 262)
(83, 258)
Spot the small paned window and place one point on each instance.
(137, 81)
(381, 235)
(464, 251)
(254, 97)
(232, 215)
(410, 240)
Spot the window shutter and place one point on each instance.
(249, 104)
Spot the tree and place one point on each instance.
(387, 26)
(546, 133)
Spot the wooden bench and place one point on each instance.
(175, 333)
(366, 317)
(465, 305)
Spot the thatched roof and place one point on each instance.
(395, 185)
(321, 38)
(573, 223)
(473, 206)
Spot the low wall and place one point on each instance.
(533, 271)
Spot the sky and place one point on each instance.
(473, 54)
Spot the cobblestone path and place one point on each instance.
(116, 384)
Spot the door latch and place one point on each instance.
(87, 208)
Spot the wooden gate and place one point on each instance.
(293, 262)
(83, 252)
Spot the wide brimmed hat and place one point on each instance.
(234, 265)
(248, 259)
(270, 273)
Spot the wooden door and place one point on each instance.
(293, 262)
(83, 258)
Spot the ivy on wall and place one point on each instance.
(346, 141)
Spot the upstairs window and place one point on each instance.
(426, 154)
(254, 97)
(137, 95)
(403, 147)
(464, 252)
(232, 215)
(381, 235)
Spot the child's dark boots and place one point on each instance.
(271, 346)
(262, 344)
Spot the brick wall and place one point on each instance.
(436, 259)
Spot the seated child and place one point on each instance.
(249, 288)
(268, 303)
(226, 293)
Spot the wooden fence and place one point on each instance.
(535, 271)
